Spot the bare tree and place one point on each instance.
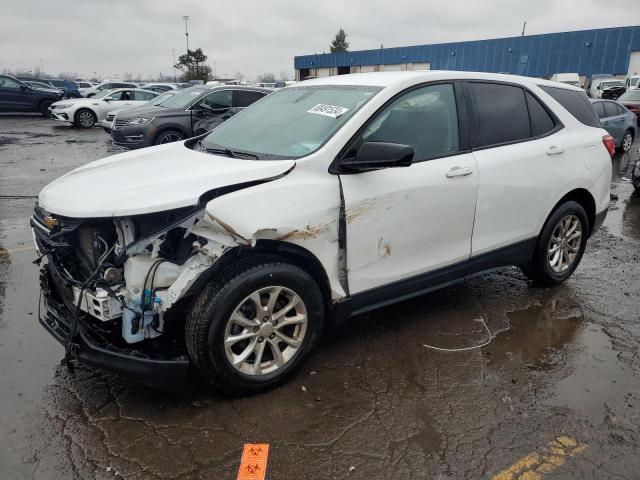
(239, 76)
(267, 78)
(284, 75)
(128, 76)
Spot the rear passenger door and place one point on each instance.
(613, 120)
(519, 146)
(403, 222)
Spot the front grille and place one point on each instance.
(121, 123)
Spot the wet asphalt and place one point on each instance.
(555, 394)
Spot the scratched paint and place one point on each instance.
(535, 465)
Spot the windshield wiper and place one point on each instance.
(230, 153)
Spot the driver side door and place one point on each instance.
(405, 222)
(211, 110)
(15, 96)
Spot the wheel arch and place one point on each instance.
(75, 114)
(292, 253)
(584, 198)
(168, 128)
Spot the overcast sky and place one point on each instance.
(254, 37)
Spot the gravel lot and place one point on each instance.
(554, 395)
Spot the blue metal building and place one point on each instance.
(586, 52)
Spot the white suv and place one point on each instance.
(232, 250)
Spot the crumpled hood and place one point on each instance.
(150, 180)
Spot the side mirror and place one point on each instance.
(107, 99)
(377, 155)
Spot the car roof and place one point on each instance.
(387, 79)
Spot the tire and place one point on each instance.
(85, 118)
(168, 136)
(627, 141)
(44, 107)
(232, 293)
(542, 269)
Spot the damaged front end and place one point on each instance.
(117, 289)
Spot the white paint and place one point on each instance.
(634, 64)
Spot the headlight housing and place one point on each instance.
(141, 120)
(62, 105)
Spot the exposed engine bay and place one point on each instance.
(128, 271)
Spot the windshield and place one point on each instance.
(617, 83)
(183, 99)
(290, 123)
(630, 95)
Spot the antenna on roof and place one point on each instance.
(524, 28)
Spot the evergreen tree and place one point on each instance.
(339, 43)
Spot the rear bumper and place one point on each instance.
(55, 317)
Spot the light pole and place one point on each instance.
(175, 77)
(186, 30)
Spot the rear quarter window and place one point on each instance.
(576, 103)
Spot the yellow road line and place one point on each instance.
(7, 251)
(535, 465)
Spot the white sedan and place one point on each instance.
(107, 123)
(86, 112)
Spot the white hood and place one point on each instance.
(150, 180)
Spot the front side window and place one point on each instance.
(184, 99)
(6, 82)
(425, 118)
(244, 98)
(501, 113)
(292, 122)
(220, 100)
(143, 96)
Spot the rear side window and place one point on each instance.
(599, 108)
(501, 113)
(541, 122)
(576, 103)
(145, 96)
(621, 109)
(244, 98)
(610, 109)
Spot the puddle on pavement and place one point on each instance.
(535, 339)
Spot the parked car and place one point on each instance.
(633, 83)
(189, 112)
(631, 100)
(42, 86)
(323, 200)
(17, 96)
(70, 89)
(107, 123)
(160, 87)
(568, 78)
(84, 85)
(107, 85)
(621, 124)
(86, 112)
(606, 88)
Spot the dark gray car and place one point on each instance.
(618, 121)
(190, 112)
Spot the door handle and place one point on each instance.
(459, 172)
(554, 150)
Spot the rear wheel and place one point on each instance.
(255, 325)
(168, 136)
(85, 118)
(627, 141)
(560, 246)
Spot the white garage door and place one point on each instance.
(634, 63)
(422, 66)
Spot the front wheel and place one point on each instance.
(560, 245)
(254, 326)
(85, 118)
(168, 136)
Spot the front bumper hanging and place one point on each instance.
(95, 349)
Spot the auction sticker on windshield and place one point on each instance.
(332, 111)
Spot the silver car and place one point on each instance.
(618, 121)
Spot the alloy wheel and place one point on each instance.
(265, 331)
(564, 245)
(86, 119)
(170, 138)
(627, 141)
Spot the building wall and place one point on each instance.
(586, 52)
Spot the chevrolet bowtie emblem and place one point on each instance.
(50, 222)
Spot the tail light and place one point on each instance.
(609, 144)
